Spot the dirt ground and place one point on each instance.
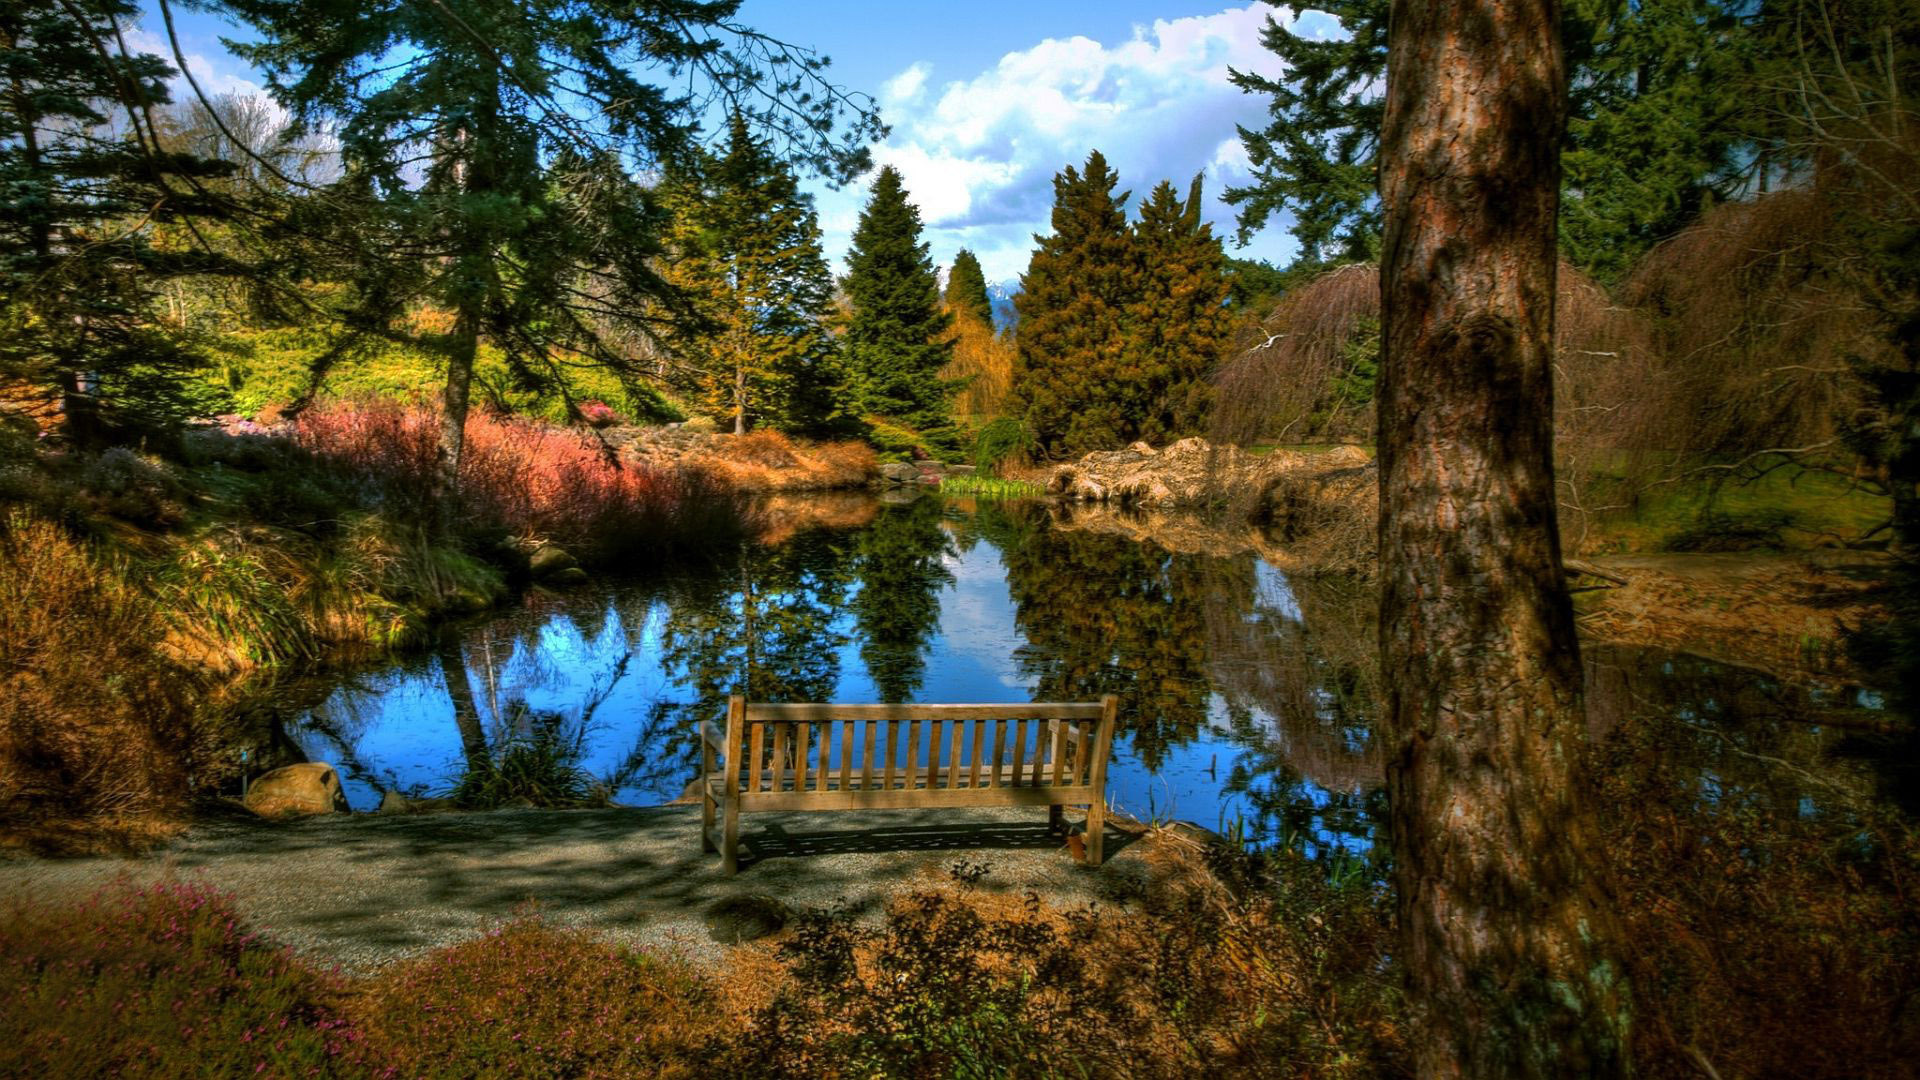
(361, 891)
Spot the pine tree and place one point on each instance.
(896, 338)
(1651, 136)
(493, 146)
(746, 246)
(1179, 327)
(967, 288)
(85, 179)
(1073, 307)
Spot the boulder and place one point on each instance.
(308, 788)
(899, 472)
(961, 470)
(392, 802)
(551, 559)
(567, 578)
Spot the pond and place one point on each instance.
(1247, 696)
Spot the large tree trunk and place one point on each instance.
(1505, 938)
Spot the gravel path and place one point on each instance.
(362, 891)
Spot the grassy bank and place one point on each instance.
(137, 590)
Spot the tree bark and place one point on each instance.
(1507, 942)
(462, 348)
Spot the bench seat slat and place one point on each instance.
(817, 713)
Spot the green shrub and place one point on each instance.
(1006, 440)
(538, 763)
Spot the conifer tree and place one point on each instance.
(896, 338)
(1179, 327)
(85, 178)
(967, 288)
(1651, 135)
(1073, 307)
(493, 145)
(745, 245)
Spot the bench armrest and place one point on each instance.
(712, 737)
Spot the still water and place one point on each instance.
(1247, 697)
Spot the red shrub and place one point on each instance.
(532, 479)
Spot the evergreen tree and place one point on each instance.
(967, 288)
(1650, 136)
(85, 179)
(1073, 305)
(1316, 159)
(493, 144)
(1179, 327)
(896, 338)
(745, 245)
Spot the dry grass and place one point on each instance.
(768, 461)
(96, 732)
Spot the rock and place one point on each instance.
(549, 560)
(308, 788)
(394, 803)
(1143, 449)
(733, 920)
(465, 601)
(961, 470)
(566, 579)
(899, 472)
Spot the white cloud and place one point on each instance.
(215, 79)
(979, 154)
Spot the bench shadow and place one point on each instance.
(773, 840)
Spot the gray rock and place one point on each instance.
(961, 470)
(551, 559)
(394, 803)
(308, 788)
(899, 472)
(567, 578)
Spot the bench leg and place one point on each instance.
(1096, 821)
(1057, 818)
(707, 803)
(730, 839)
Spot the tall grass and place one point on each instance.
(989, 487)
(96, 730)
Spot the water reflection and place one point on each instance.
(1248, 697)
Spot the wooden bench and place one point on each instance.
(784, 757)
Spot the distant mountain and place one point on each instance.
(1002, 294)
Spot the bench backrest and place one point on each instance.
(801, 748)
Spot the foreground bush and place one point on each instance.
(1284, 979)
(531, 1001)
(163, 982)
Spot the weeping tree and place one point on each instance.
(1505, 935)
(489, 155)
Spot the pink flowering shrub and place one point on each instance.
(599, 414)
(162, 981)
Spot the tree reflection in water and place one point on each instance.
(1248, 696)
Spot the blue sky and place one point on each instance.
(988, 101)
